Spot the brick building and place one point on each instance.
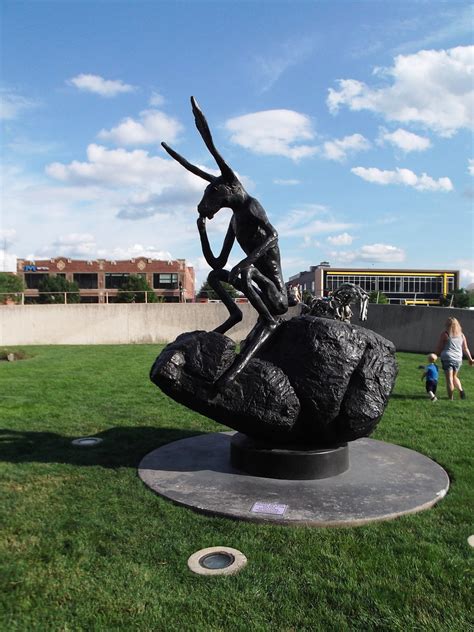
(99, 280)
(401, 286)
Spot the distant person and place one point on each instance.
(431, 376)
(451, 345)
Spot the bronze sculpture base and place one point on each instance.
(289, 462)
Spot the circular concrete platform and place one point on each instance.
(383, 481)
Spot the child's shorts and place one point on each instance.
(431, 386)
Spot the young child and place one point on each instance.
(431, 375)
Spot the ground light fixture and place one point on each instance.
(217, 560)
(470, 540)
(87, 442)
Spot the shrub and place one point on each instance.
(58, 286)
(206, 291)
(458, 298)
(134, 290)
(378, 297)
(10, 285)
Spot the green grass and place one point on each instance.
(86, 546)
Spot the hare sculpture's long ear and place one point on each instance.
(205, 132)
(187, 165)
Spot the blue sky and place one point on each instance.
(351, 122)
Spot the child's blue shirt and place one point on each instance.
(432, 372)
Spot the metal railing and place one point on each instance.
(103, 297)
(61, 298)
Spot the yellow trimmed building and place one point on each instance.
(401, 287)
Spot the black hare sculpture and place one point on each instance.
(305, 380)
(258, 276)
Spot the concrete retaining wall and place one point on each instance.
(416, 329)
(410, 328)
(86, 324)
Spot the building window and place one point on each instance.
(32, 280)
(115, 280)
(86, 280)
(392, 284)
(165, 281)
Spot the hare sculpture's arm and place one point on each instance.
(219, 262)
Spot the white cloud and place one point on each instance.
(286, 182)
(84, 246)
(12, 105)
(75, 245)
(294, 264)
(7, 237)
(127, 168)
(466, 271)
(338, 149)
(88, 208)
(145, 185)
(404, 140)
(305, 222)
(273, 132)
(26, 146)
(271, 67)
(7, 261)
(134, 251)
(433, 88)
(471, 166)
(404, 177)
(467, 278)
(153, 127)
(156, 100)
(371, 253)
(344, 239)
(98, 85)
(309, 242)
(452, 24)
(387, 219)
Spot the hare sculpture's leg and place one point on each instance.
(267, 299)
(266, 324)
(235, 315)
(254, 341)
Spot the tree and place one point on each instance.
(59, 285)
(134, 290)
(206, 291)
(378, 297)
(458, 298)
(10, 284)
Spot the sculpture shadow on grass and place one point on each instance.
(121, 446)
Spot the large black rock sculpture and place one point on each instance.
(304, 381)
(320, 381)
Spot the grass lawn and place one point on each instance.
(86, 546)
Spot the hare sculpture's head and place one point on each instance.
(222, 191)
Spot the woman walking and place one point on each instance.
(451, 345)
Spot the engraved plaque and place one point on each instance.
(269, 508)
